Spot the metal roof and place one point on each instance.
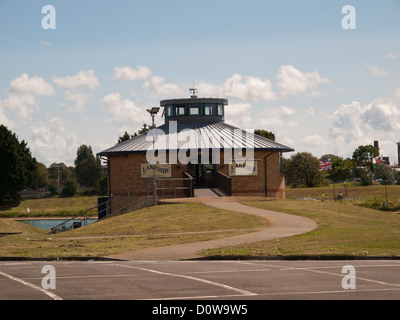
(195, 135)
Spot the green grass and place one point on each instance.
(354, 193)
(149, 227)
(343, 229)
(48, 207)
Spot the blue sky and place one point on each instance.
(285, 66)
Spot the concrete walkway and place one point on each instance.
(280, 225)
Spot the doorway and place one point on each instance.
(203, 174)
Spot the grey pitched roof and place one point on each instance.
(195, 135)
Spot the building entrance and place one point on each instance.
(203, 174)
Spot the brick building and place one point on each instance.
(195, 148)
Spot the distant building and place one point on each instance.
(195, 148)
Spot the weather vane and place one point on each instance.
(193, 91)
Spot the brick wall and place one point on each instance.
(125, 174)
(255, 185)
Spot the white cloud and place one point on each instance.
(238, 114)
(292, 81)
(52, 144)
(381, 116)
(83, 79)
(248, 88)
(310, 111)
(127, 73)
(353, 125)
(3, 117)
(276, 119)
(57, 123)
(397, 94)
(45, 43)
(79, 98)
(376, 71)
(35, 85)
(24, 104)
(156, 86)
(392, 56)
(124, 111)
(23, 96)
(317, 143)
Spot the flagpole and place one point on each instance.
(386, 204)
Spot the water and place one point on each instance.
(49, 223)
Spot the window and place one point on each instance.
(168, 111)
(194, 109)
(180, 110)
(220, 110)
(208, 109)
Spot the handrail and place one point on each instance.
(191, 184)
(224, 183)
(127, 206)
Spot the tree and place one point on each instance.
(69, 189)
(144, 129)
(264, 133)
(103, 185)
(397, 176)
(363, 156)
(341, 170)
(59, 173)
(87, 168)
(302, 168)
(385, 173)
(361, 174)
(328, 156)
(41, 176)
(17, 166)
(124, 137)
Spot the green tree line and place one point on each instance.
(302, 169)
(19, 170)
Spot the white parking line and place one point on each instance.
(50, 294)
(341, 275)
(242, 292)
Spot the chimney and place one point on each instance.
(398, 153)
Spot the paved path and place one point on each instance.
(280, 225)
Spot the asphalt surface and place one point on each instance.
(198, 280)
(170, 275)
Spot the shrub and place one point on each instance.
(69, 189)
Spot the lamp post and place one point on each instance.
(153, 111)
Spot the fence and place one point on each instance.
(133, 199)
(224, 183)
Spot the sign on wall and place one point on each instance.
(161, 170)
(243, 168)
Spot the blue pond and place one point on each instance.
(49, 223)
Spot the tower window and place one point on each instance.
(168, 111)
(180, 110)
(194, 109)
(220, 110)
(208, 109)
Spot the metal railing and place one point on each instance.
(172, 186)
(224, 183)
(130, 198)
